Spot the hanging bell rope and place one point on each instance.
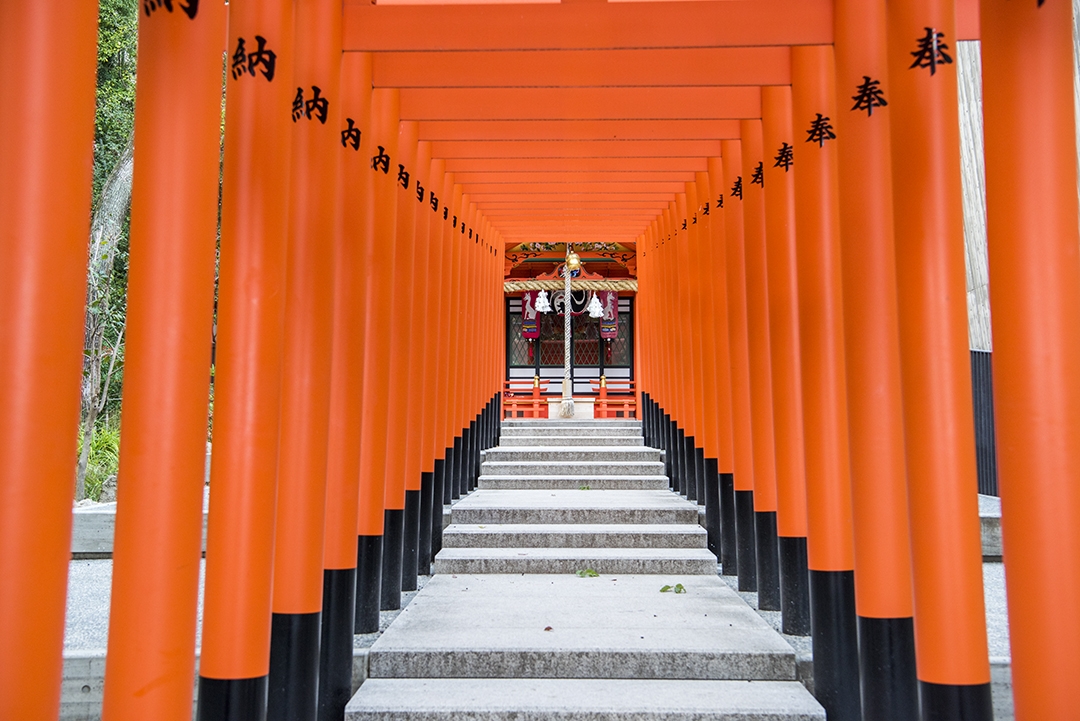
(516, 286)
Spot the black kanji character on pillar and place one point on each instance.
(381, 161)
(434, 202)
(720, 198)
(350, 135)
(694, 219)
(758, 178)
(403, 176)
(684, 223)
(446, 213)
(190, 8)
(455, 221)
(239, 59)
(931, 52)
(267, 59)
(820, 131)
(318, 105)
(463, 227)
(869, 96)
(419, 192)
(705, 210)
(785, 158)
(298, 105)
(736, 190)
(470, 234)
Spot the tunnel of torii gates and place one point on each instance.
(787, 173)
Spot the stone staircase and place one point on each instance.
(547, 600)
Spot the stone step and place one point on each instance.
(564, 626)
(571, 423)
(573, 535)
(552, 440)
(592, 699)
(551, 454)
(679, 561)
(621, 431)
(572, 468)
(594, 483)
(573, 506)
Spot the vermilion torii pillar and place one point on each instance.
(883, 598)
(47, 55)
(305, 397)
(385, 104)
(741, 425)
(761, 411)
(715, 200)
(950, 620)
(821, 319)
(235, 657)
(1035, 301)
(351, 275)
(779, 188)
(174, 215)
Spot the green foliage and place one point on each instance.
(677, 588)
(587, 573)
(104, 459)
(118, 33)
(584, 488)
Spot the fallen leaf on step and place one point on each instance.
(549, 628)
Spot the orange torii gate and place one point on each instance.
(376, 171)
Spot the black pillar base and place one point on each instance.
(955, 702)
(427, 504)
(729, 556)
(474, 456)
(689, 469)
(294, 667)
(438, 494)
(410, 555)
(393, 552)
(453, 461)
(746, 535)
(368, 583)
(768, 561)
(232, 699)
(794, 586)
(448, 474)
(712, 505)
(835, 642)
(890, 689)
(336, 645)
(699, 474)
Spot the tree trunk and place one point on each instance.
(106, 229)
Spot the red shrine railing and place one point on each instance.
(615, 399)
(526, 398)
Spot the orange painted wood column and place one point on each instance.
(149, 671)
(691, 362)
(1035, 299)
(385, 109)
(444, 441)
(454, 414)
(779, 188)
(414, 390)
(705, 273)
(47, 56)
(761, 398)
(356, 215)
(830, 536)
(738, 343)
(883, 599)
(950, 620)
(432, 448)
(400, 311)
(314, 184)
(235, 658)
(715, 204)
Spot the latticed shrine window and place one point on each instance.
(618, 349)
(551, 339)
(519, 347)
(586, 341)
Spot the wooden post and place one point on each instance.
(235, 658)
(939, 429)
(821, 332)
(757, 312)
(1035, 298)
(47, 56)
(174, 213)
